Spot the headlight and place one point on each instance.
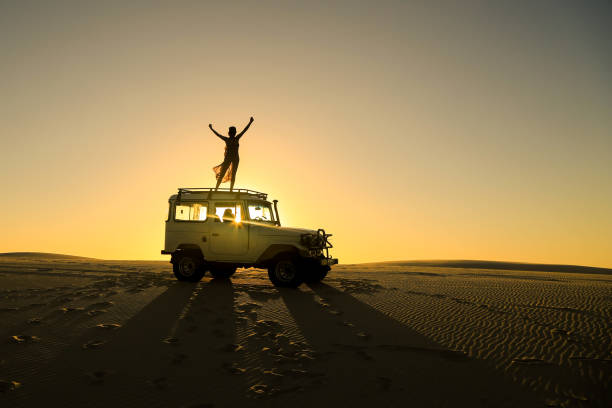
(311, 241)
(315, 252)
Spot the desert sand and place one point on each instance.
(82, 332)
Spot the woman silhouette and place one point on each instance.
(226, 171)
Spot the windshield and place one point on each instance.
(260, 211)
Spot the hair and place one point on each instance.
(232, 130)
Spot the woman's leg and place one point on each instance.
(224, 167)
(234, 170)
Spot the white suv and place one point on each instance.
(221, 230)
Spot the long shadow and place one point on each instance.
(372, 358)
(77, 375)
(171, 353)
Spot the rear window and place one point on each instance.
(190, 211)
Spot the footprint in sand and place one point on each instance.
(260, 390)
(98, 377)
(363, 335)
(262, 326)
(24, 339)
(100, 305)
(96, 312)
(108, 326)
(69, 309)
(233, 368)
(171, 340)
(273, 376)
(93, 344)
(6, 386)
(247, 308)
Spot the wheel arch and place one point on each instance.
(276, 250)
(186, 248)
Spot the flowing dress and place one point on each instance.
(231, 159)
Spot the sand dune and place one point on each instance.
(84, 332)
(39, 255)
(477, 264)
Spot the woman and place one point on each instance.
(226, 171)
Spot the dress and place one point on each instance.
(230, 162)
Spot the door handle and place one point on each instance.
(214, 234)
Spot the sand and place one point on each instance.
(81, 332)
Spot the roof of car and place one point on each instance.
(210, 193)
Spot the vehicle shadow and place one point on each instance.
(173, 352)
(370, 358)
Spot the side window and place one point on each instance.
(259, 211)
(228, 211)
(191, 211)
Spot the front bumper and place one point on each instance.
(328, 261)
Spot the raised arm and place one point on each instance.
(216, 133)
(239, 135)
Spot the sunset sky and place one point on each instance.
(408, 129)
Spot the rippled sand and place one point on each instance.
(81, 332)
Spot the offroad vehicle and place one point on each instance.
(222, 230)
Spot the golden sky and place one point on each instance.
(409, 130)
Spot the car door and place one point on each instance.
(229, 236)
(189, 225)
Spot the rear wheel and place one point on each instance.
(285, 272)
(188, 267)
(222, 272)
(316, 274)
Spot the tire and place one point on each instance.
(286, 272)
(222, 272)
(188, 267)
(316, 274)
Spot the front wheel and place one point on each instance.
(189, 268)
(285, 272)
(222, 273)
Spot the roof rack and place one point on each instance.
(211, 190)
